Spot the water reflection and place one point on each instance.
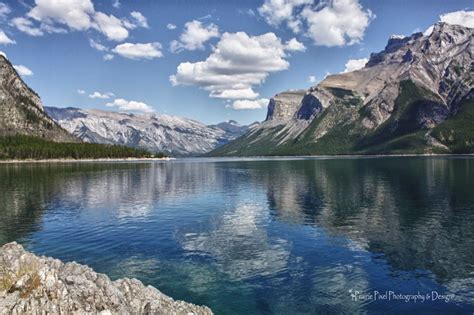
(283, 235)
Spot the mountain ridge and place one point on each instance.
(155, 132)
(397, 103)
(21, 109)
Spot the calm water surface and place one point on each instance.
(295, 236)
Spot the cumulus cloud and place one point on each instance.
(277, 12)
(76, 14)
(246, 93)
(250, 104)
(294, 45)
(171, 26)
(330, 23)
(355, 64)
(4, 39)
(339, 23)
(312, 79)
(51, 16)
(139, 51)
(194, 36)
(101, 95)
(23, 70)
(237, 64)
(79, 91)
(116, 4)
(463, 18)
(138, 20)
(127, 106)
(112, 27)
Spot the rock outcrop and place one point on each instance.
(40, 285)
(415, 96)
(21, 110)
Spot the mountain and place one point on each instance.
(21, 110)
(415, 96)
(154, 132)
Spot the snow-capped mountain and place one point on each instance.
(155, 132)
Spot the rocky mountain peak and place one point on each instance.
(21, 109)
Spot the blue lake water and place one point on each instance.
(261, 236)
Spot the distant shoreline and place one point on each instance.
(84, 160)
(263, 157)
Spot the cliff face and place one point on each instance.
(39, 285)
(283, 106)
(415, 96)
(21, 110)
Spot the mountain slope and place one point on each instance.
(21, 110)
(157, 133)
(413, 97)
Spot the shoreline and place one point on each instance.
(33, 284)
(263, 157)
(84, 160)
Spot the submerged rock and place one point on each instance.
(42, 285)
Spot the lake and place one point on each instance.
(260, 236)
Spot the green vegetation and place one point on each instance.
(27, 147)
(402, 133)
(458, 132)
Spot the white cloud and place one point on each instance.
(76, 14)
(247, 93)
(355, 64)
(23, 70)
(194, 36)
(26, 26)
(108, 57)
(139, 51)
(463, 18)
(81, 91)
(341, 22)
(126, 106)
(3, 54)
(237, 64)
(101, 95)
(277, 12)
(4, 39)
(250, 104)
(294, 45)
(330, 23)
(312, 79)
(98, 46)
(171, 26)
(112, 27)
(139, 19)
(116, 4)
(4, 10)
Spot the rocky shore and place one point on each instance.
(41, 285)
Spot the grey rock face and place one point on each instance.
(21, 110)
(283, 106)
(154, 132)
(42, 285)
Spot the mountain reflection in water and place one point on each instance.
(258, 235)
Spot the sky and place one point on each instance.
(207, 60)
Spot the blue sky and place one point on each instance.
(227, 59)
